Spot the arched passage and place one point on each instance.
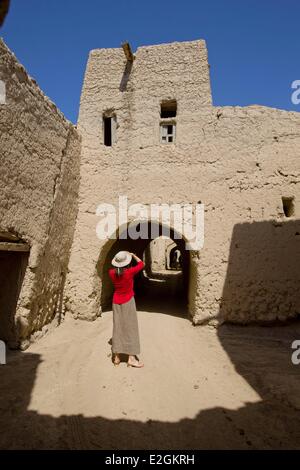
(14, 255)
(160, 291)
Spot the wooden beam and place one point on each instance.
(7, 237)
(127, 51)
(4, 7)
(14, 247)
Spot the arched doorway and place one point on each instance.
(14, 255)
(163, 289)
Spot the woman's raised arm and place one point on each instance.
(140, 264)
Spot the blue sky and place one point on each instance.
(253, 45)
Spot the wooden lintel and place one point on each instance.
(8, 236)
(4, 7)
(127, 51)
(14, 247)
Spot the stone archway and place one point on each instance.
(142, 284)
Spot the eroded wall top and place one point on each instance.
(134, 90)
(34, 136)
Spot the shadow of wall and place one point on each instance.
(13, 267)
(262, 287)
(47, 300)
(263, 277)
(269, 423)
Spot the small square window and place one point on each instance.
(167, 133)
(168, 109)
(288, 206)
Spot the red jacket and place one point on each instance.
(124, 284)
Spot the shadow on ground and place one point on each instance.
(273, 422)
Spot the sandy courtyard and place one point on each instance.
(200, 388)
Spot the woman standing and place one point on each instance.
(125, 338)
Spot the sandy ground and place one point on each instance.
(200, 388)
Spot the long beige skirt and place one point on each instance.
(125, 338)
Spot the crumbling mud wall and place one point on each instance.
(247, 269)
(39, 179)
(262, 278)
(238, 162)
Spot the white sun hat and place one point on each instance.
(121, 259)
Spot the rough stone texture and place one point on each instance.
(39, 179)
(4, 7)
(238, 161)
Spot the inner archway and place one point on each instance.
(162, 286)
(14, 255)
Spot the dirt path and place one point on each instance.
(200, 388)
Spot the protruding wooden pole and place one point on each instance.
(14, 246)
(127, 51)
(8, 237)
(4, 7)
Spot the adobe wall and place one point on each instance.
(239, 162)
(39, 179)
(133, 166)
(248, 266)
